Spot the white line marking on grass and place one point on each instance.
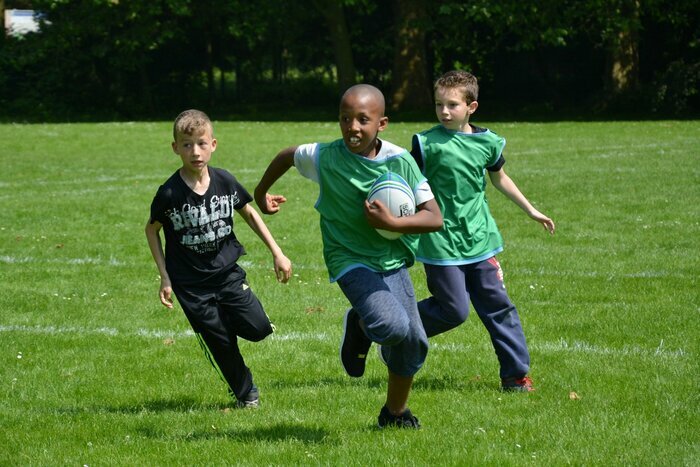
(102, 331)
(142, 332)
(301, 336)
(56, 330)
(580, 347)
(606, 151)
(94, 178)
(112, 261)
(300, 266)
(547, 347)
(649, 274)
(584, 347)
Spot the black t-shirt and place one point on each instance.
(199, 239)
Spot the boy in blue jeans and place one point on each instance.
(460, 259)
(370, 270)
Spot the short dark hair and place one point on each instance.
(366, 90)
(460, 79)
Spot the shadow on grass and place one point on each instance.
(374, 380)
(271, 433)
(183, 405)
(454, 382)
(268, 433)
(339, 382)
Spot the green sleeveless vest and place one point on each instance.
(454, 164)
(348, 240)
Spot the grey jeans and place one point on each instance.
(387, 306)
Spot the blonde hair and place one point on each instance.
(190, 122)
(460, 79)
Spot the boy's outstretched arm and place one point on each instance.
(156, 246)
(507, 186)
(283, 267)
(427, 218)
(270, 204)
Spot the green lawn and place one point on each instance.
(95, 371)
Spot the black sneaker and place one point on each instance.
(251, 400)
(354, 346)
(405, 420)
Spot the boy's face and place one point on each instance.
(361, 119)
(195, 149)
(452, 109)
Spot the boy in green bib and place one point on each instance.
(370, 269)
(460, 259)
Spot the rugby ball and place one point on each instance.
(396, 194)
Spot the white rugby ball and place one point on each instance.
(396, 194)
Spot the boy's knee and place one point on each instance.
(391, 333)
(256, 334)
(455, 317)
(407, 358)
(450, 313)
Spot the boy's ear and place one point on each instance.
(471, 108)
(213, 144)
(383, 123)
(174, 146)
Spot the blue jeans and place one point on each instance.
(387, 306)
(453, 287)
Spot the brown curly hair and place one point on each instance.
(460, 79)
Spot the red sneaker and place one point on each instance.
(513, 384)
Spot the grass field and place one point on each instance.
(95, 371)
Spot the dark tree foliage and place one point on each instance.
(130, 59)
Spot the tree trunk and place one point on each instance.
(332, 11)
(410, 84)
(222, 85)
(211, 87)
(624, 53)
(146, 100)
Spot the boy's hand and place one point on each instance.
(283, 268)
(166, 294)
(378, 215)
(546, 222)
(272, 203)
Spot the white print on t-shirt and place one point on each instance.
(203, 225)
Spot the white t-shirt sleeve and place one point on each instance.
(423, 193)
(305, 160)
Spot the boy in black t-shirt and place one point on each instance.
(194, 208)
